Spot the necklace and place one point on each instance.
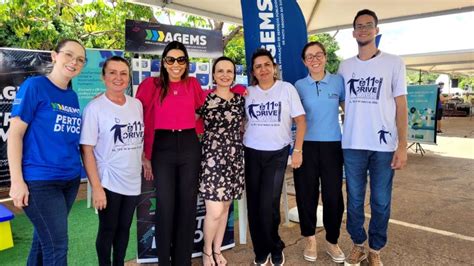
(373, 56)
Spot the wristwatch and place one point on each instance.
(296, 150)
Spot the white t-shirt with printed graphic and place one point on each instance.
(370, 110)
(116, 132)
(269, 116)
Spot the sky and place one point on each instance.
(434, 34)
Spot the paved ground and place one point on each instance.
(432, 209)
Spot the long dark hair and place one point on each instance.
(164, 80)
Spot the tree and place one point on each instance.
(233, 42)
(40, 24)
(235, 49)
(465, 82)
(416, 77)
(331, 46)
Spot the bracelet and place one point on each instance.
(296, 150)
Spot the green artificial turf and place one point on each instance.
(83, 224)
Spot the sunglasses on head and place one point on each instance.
(181, 60)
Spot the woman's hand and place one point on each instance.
(99, 198)
(19, 193)
(296, 159)
(147, 173)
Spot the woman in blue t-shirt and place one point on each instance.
(321, 93)
(43, 152)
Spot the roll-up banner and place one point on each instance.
(16, 65)
(422, 102)
(151, 38)
(279, 27)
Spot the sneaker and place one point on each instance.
(335, 253)
(278, 259)
(261, 261)
(310, 252)
(374, 259)
(357, 255)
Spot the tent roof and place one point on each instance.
(448, 62)
(323, 15)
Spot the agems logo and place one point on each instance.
(267, 27)
(187, 39)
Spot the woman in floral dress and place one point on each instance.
(222, 167)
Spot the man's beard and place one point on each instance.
(362, 44)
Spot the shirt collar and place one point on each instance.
(311, 81)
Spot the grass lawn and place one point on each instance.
(83, 224)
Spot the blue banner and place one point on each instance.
(422, 102)
(377, 40)
(278, 26)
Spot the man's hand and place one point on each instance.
(399, 160)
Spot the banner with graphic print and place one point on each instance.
(88, 83)
(151, 38)
(279, 27)
(422, 100)
(16, 65)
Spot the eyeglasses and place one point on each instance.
(360, 27)
(311, 57)
(170, 60)
(80, 60)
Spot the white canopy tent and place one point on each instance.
(460, 62)
(323, 15)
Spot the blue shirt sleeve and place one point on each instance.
(26, 101)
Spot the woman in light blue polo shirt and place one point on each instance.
(321, 93)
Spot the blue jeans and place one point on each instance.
(356, 163)
(48, 208)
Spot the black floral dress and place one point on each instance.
(222, 166)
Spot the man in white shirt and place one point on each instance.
(374, 136)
